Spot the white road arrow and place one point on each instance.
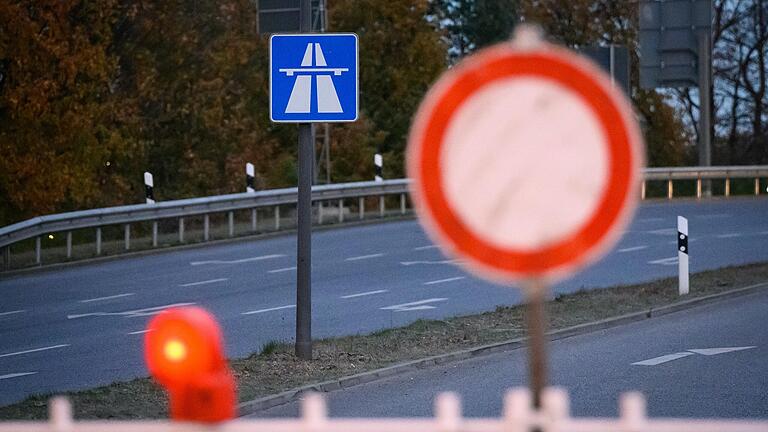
(703, 351)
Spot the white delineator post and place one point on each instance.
(682, 254)
(149, 185)
(249, 178)
(378, 161)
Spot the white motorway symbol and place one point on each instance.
(701, 351)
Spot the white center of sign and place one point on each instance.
(524, 163)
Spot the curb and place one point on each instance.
(260, 404)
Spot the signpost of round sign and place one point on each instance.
(525, 161)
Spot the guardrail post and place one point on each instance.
(206, 226)
(127, 236)
(181, 230)
(670, 192)
(154, 233)
(231, 216)
(277, 218)
(98, 241)
(341, 210)
(319, 212)
(381, 205)
(38, 252)
(727, 186)
(7, 257)
(361, 207)
(698, 187)
(642, 190)
(402, 203)
(757, 185)
(69, 244)
(254, 221)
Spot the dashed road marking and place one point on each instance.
(238, 261)
(729, 235)
(140, 332)
(281, 270)
(662, 359)
(131, 313)
(205, 282)
(653, 219)
(16, 375)
(665, 261)
(663, 231)
(90, 300)
(268, 310)
(410, 263)
(13, 312)
(716, 351)
(362, 257)
(426, 247)
(435, 282)
(713, 216)
(632, 249)
(362, 294)
(34, 350)
(417, 305)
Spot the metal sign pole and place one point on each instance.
(304, 243)
(536, 321)
(705, 105)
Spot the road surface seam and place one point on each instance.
(260, 404)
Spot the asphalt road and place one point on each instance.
(674, 360)
(81, 326)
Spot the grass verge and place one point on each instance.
(276, 368)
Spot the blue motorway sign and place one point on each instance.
(313, 78)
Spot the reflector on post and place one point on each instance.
(184, 353)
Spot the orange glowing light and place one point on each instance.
(175, 350)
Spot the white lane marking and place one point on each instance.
(713, 216)
(653, 219)
(410, 263)
(435, 282)
(663, 231)
(15, 375)
(140, 332)
(631, 249)
(426, 247)
(417, 305)
(280, 270)
(34, 350)
(665, 261)
(239, 261)
(106, 298)
(362, 257)
(13, 312)
(205, 282)
(367, 293)
(662, 359)
(716, 351)
(131, 313)
(729, 235)
(268, 309)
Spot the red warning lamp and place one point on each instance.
(184, 352)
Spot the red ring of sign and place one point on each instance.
(434, 122)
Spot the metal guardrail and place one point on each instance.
(518, 416)
(181, 209)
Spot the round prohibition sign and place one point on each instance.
(525, 162)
